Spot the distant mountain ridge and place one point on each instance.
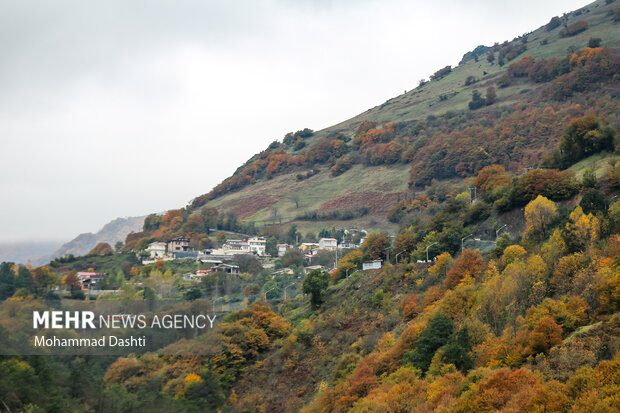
(40, 253)
(112, 232)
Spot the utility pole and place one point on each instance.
(267, 292)
(388, 253)
(475, 198)
(462, 242)
(497, 232)
(290, 285)
(336, 262)
(427, 250)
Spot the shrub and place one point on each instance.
(553, 23)
(334, 214)
(441, 73)
(476, 101)
(340, 167)
(592, 202)
(594, 42)
(575, 28)
(583, 137)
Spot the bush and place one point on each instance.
(575, 28)
(334, 215)
(592, 202)
(476, 101)
(594, 42)
(193, 294)
(553, 23)
(477, 212)
(441, 73)
(584, 137)
(340, 167)
(470, 80)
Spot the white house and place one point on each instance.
(372, 265)
(156, 249)
(257, 245)
(233, 245)
(282, 248)
(328, 244)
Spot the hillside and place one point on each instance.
(433, 135)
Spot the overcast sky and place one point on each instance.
(123, 108)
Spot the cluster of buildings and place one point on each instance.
(254, 245)
(179, 247)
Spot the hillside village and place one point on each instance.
(222, 259)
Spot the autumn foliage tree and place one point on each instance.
(546, 334)
(72, 282)
(440, 267)
(411, 306)
(491, 178)
(405, 242)
(539, 215)
(374, 247)
(469, 263)
(583, 137)
(349, 263)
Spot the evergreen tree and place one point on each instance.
(315, 284)
(271, 247)
(592, 202)
(434, 336)
(457, 351)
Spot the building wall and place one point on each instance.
(373, 265)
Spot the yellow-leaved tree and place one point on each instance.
(539, 215)
(581, 230)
